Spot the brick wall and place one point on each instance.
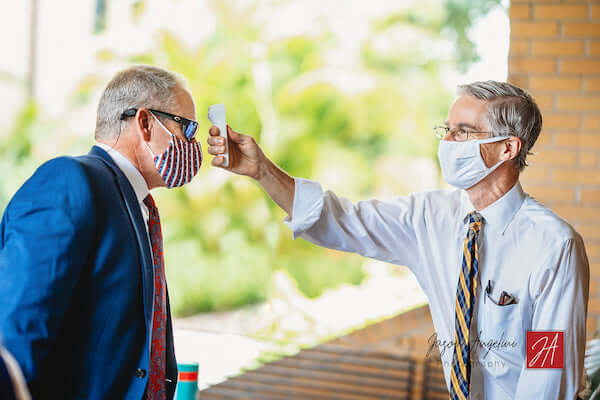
(555, 54)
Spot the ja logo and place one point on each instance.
(545, 349)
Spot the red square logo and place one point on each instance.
(545, 349)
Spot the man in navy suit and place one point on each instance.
(84, 307)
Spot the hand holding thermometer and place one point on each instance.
(216, 115)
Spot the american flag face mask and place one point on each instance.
(180, 162)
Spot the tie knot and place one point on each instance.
(475, 217)
(149, 202)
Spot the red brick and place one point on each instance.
(520, 80)
(533, 1)
(595, 11)
(583, 141)
(594, 286)
(592, 85)
(519, 47)
(590, 196)
(577, 176)
(591, 122)
(549, 192)
(545, 138)
(544, 101)
(594, 49)
(563, 121)
(555, 83)
(589, 231)
(587, 159)
(561, 12)
(567, 158)
(535, 173)
(558, 48)
(580, 66)
(579, 103)
(592, 250)
(594, 305)
(522, 11)
(526, 64)
(534, 29)
(590, 326)
(594, 270)
(587, 30)
(577, 213)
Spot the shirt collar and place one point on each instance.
(500, 213)
(135, 178)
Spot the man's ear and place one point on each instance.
(512, 148)
(143, 121)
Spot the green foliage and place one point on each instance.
(223, 236)
(18, 145)
(16, 152)
(459, 16)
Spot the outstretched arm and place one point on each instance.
(378, 229)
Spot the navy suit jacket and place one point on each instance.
(76, 283)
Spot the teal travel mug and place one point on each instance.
(187, 381)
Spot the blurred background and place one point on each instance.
(345, 93)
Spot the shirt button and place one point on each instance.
(140, 373)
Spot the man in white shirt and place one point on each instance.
(493, 261)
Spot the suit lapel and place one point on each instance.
(135, 215)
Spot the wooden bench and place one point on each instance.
(333, 372)
(384, 360)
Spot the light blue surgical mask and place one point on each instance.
(461, 162)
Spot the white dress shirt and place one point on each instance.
(135, 178)
(525, 249)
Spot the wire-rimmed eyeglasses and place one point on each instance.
(457, 134)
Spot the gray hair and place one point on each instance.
(135, 87)
(511, 111)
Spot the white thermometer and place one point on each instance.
(216, 115)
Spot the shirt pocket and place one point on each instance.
(501, 329)
(500, 319)
(500, 336)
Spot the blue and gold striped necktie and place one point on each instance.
(466, 292)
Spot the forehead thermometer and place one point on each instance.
(216, 115)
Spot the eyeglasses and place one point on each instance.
(189, 127)
(457, 134)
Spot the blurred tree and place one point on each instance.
(100, 16)
(223, 236)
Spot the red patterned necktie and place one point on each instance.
(156, 378)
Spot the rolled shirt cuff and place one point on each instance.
(308, 203)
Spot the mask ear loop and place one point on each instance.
(150, 150)
(166, 130)
(490, 140)
(162, 126)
